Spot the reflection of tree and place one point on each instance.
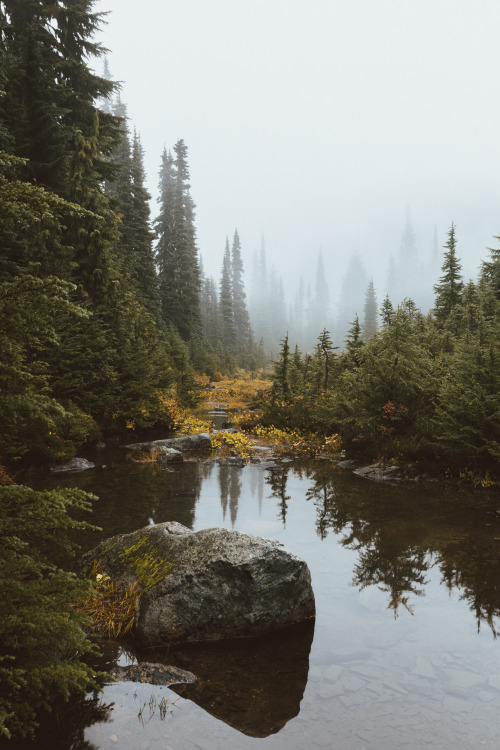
(277, 480)
(230, 490)
(322, 494)
(385, 558)
(234, 492)
(66, 725)
(473, 567)
(398, 539)
(397, 574)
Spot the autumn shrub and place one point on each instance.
(293, 442)
(111, 606)
(232, 444)
(240, 391)
(181, 419)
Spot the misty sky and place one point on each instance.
(316, 123)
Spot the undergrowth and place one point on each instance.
(111, 607)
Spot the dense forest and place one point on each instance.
(107, 315)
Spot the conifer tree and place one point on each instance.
(93, 235)
(354, 345)
(490, 271)
(326, 353)
(281, 377)
(449, 289)
(352, 294)
(142, 266)
(387, 311)
(241, 318)
(177, 254)
(229, 334)
(319, 307)
(370, 312)
(47, 47)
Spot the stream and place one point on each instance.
(403, 652)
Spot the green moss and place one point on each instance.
(145, 561)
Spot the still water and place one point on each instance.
(403, 652)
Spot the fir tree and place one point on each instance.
(47, 46)
(325, 352)
(241, 318)
(142, 266)
(281, 378)
(490, 271)
(370, 313)
(42, 638)
(353, 345)
(229, 333)
(449, 289)
(387, 311)
(318, 310)
(176, 251)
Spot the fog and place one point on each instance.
(321, 124)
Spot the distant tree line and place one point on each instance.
(422, 386)
(312, 305)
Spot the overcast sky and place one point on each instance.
(317, 122)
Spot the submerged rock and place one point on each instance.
(223, 584)
(75, 464)
(153, 674)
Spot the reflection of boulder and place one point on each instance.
(255, 685)
(215, 584)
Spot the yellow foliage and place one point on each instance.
(239, 391)
(232, 443)
(294, 443)
(181, 419)
(110, 608)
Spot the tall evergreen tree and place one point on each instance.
(387, 311)
(319, 307)
(490, 271)
(352, 294)
(353, 345)
(449, 289)
(47, 47)
(241, 317)
(370, 313)
(142, 265)
(177, 254)
(229, 333)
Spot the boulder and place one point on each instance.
(75, 464)
(222, 584)
(184, 443)
(170, 456)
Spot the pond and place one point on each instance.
(403, 652)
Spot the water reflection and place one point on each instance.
(230, 489)
(373, 681)
(277, 481)
(400, 535)
(254, 685)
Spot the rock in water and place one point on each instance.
(223, 584)
(184, 443)
(74, 464)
